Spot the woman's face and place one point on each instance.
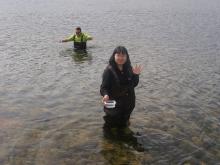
(120, 58)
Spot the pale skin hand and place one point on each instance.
(105, 98)
(137, 69)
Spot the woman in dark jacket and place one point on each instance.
(118, 83)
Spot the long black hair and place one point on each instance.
(120, 50)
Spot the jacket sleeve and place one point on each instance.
(71, 38)
(135, 79)
(88, 37)
(106, 83)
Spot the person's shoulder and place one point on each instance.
(108, 70)
(72, 35)
(86, 35)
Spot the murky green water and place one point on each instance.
(50, 109)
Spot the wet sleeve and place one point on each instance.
(135, 79)
(105, 86)
(88, 37)
(71, 38)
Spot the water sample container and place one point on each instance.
(110, 104)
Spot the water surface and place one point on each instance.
(50, 109)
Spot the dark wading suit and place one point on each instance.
(79, 45)
(119, 86)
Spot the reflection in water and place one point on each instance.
(49, 103)
(77, 55)
(119, 146)
(81, 55)
(123, 136)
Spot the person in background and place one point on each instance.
(79, 39)
(118, 83)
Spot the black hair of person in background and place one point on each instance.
(118, 83)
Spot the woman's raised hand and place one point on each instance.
(137, 69)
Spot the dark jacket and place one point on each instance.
(119, 86)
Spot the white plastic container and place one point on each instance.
(110, 104)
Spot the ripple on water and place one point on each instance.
(49, 95)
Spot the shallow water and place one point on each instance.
(50, 109)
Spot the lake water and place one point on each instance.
(50, 106)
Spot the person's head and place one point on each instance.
(120, 56)
(78, 30)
